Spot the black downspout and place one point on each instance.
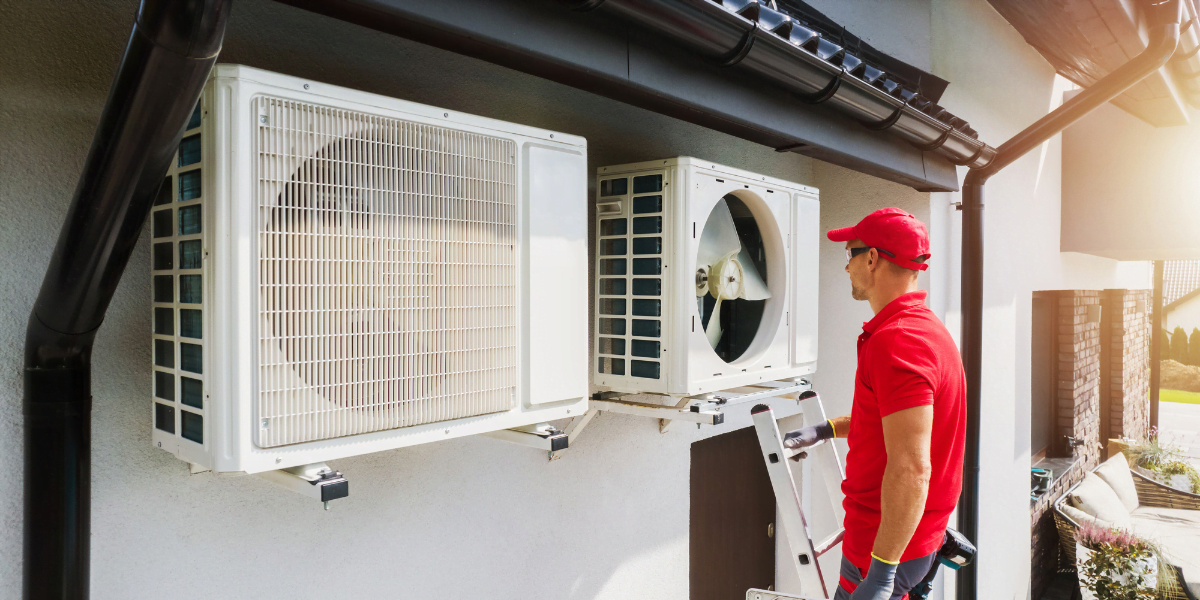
(1156, 340)
(1162, 16)
(167, 59)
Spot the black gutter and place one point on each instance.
(614, 56)
(170, 51)
(749, 35)
(1163, 18)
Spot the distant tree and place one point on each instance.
(1194, 347)
(1165, 349)
(1179, 346)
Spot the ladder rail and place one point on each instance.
(825, 454)
(791, 512)
(804, 552)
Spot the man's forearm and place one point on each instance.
(902, 502)
(906, 435)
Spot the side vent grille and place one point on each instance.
(178, 263)
(630, 288)
(387, 273)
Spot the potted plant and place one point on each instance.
(1163, 463)
(1114, 564)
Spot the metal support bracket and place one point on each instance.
(574, 428)
(702, 409)
(542, 436)
(316, 481)
(658, 411)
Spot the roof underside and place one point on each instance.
(1084, 40)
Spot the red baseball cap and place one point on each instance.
(900, 237)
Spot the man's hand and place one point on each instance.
(807, 436)
(879, 582)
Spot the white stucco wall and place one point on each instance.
(1002, 85)
(1129, 189)
(477, 517)
(1186, 315)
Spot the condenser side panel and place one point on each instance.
(805, 242)
(556, 264)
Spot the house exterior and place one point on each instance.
(1181, 288)
(610, 519)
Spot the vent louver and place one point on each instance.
(387, 273)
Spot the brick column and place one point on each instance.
(1078, 375)
(1077, 415)
(1129, 379)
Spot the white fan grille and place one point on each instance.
(387, 273)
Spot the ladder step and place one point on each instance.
(828, 543)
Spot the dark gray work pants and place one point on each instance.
(908, 574)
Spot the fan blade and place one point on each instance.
(713, 332)
(719, 237)
(752, 282)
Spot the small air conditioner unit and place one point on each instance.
(337, 273)
(706, 278)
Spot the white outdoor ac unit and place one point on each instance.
(706, 278)
(337, 273)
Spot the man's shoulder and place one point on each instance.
(914, 322)
(917, 328)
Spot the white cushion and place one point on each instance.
(1175, 530)
(1081, 517)
(1095, 498)
(1115, 472)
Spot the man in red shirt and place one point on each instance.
(906, 428)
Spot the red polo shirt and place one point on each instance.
(906, 358)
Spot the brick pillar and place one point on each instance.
(1130, 367)
(1077, 415)
(1079, 375)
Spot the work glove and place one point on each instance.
(879, 582)
(807, 436)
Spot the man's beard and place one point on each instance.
(857, 293)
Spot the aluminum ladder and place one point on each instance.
(804, 551)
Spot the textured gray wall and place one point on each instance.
(477, 517)
(457, 519)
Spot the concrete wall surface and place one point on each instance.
(478, 517)
(1129, 189)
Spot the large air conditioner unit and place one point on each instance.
(337, 273)
(705, 278)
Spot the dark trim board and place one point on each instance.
(612, 59)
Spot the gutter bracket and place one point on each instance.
(891, 120)
(829, 91)
(739, 52)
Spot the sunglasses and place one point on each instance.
(852, 252)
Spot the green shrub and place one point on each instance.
(1162, 460)
(1179, 346)
(1194, 347)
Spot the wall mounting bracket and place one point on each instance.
(542, 436)
(316, 481)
